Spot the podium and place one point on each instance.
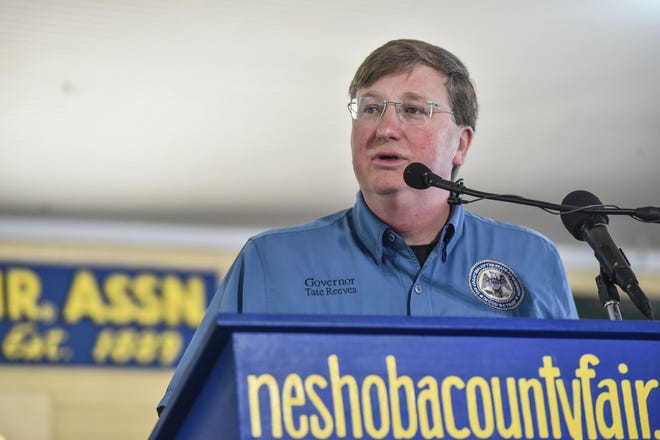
(327, 377)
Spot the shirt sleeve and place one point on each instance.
(245, 275)
(566, 303)
(559, 297)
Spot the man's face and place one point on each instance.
(382, 149)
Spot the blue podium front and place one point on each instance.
(321, 377)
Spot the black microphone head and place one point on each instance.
(575, 222)
(415, 175)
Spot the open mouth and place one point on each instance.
(388, 157)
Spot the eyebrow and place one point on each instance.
(412, 95)
(406, 95)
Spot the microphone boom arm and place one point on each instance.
(645, 214)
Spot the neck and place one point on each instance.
(418, 217)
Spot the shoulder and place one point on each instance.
(506, 231)
(327, 226)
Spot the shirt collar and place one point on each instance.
(371, 230)
(456, 220)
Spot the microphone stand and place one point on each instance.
(609, 296)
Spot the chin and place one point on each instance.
(388, 190)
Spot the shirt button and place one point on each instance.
(391, 237)
(418, 288)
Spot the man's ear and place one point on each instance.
(463, 146)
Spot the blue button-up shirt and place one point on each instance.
(353, 263)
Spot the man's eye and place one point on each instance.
(370, 109)
(414, 110)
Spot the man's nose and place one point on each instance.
(389, 125)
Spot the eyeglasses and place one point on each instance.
(414, 112)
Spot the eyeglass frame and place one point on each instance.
(397, 108)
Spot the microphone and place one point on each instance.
(419, 176)
(592, 228)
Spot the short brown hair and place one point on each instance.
(403, 55)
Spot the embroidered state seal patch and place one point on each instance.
(496, 285)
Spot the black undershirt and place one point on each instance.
(422, 251)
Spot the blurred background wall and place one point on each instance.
(156, 136)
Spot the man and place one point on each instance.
(399, 250)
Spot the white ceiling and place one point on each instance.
(231, 113)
